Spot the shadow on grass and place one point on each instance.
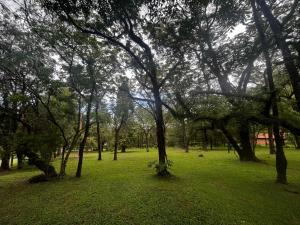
(170, 178)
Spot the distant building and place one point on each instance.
(263, 138)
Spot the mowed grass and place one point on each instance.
(211, 190)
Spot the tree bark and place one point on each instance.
(5, 160)
(247, 151)
(160, 132)
(116, 144)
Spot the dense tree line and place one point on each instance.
(194, 78)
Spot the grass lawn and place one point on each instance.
(211, 190)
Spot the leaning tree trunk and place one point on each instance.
(231, 140)
(281, 162)
(86, 132)
(48, 169)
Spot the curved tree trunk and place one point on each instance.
(48, 170)
(231, 140)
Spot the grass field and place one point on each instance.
(211, 190)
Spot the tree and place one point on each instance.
(122, 111)
(125, 19)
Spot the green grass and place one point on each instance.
(211, 190)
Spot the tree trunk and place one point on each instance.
(297, 141)
(281, 162)
(123, 148)
(185, 136)
(231, 140)
(48, 169)
(99, 145)
(20, 158)
(86, 132)
(271, 140)
(160, 132)
(205, 142)
(5, 160)
(247, 151)
(290, 66)
(12, 160)
(147, 141)
(116, 144)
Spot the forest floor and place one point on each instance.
(211, 190)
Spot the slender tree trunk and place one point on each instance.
(297, 140)
(290, 66)
(271, 141)
(205, 143)
(185, 136)
(147, 140)
(86, 132)
(98, 131)
(281, 162)
(12, 160)
(63, 164)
